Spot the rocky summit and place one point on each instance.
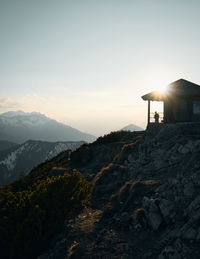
(146, 197)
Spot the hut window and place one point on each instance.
(196, 107)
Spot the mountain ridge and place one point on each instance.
(24, 157)
(20, 126)
(4, 144)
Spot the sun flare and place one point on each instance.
(157, 79)
(161, 87)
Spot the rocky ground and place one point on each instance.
(146, 199)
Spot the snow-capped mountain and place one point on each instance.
(22, 158)
(20, 118)
(132, 127)
(18, 126)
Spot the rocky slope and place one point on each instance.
(19, 127)
(21, 159)
(146, 199)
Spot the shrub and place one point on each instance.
(114, 136)
(32, 215)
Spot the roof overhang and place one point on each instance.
(154, 96)
(180, 88)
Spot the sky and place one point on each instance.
(87, 63)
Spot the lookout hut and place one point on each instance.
(181, 102)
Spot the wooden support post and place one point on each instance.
(163, 111)
(148, 112)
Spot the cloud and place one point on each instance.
(32, 101)
(29, 102)
(8, 103)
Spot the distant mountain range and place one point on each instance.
(22, 158)
(18, 126)
(6, 145)
(132, 127)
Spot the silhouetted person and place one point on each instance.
(156, 117)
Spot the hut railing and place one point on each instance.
(161, 117)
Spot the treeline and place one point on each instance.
(118, 136)
(33, 209)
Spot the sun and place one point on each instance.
(160, 87)
(158, 78)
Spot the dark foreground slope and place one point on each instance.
(146, 197)
(33, 209)
(145, 203)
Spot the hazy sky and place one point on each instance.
(87, 62)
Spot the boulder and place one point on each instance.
(152, 213)
(166, 209)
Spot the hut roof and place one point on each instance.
(180, 87)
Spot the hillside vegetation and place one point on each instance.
(32, 211)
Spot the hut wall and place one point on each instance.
(168, 112)
(177, 109)
(195, 106)
(181, 111)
